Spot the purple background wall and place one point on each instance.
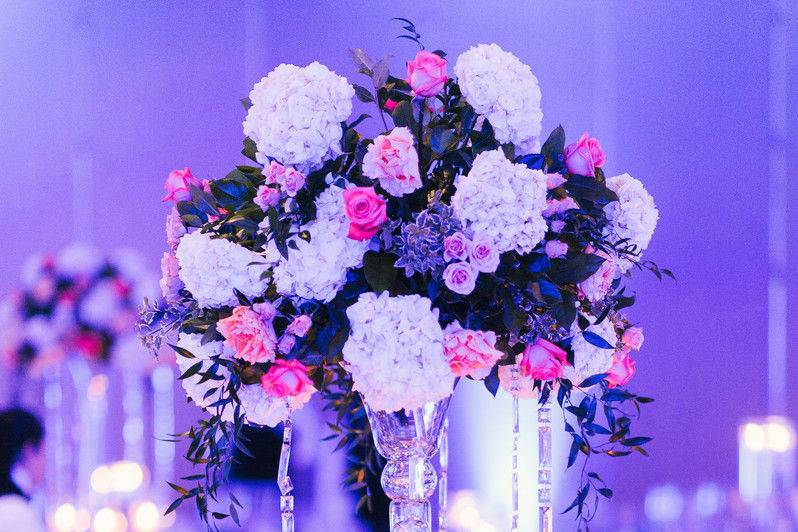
(99, 102)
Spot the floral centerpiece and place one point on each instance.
(454, 244)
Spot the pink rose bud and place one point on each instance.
(584, 156)
(426, 74)
(622, 369)
(300, 326)
(470, 353)
(632, 338)
(554, 180)
(267, 197)
(460, 278)
(177, 185)
(484, 255)
(393, 161)
(366, 211)
(250, 334)
(556, 249)
(286, 344)
(543, 360)
(287, 378)
(391, 105)
(557, 226)
(456, 247)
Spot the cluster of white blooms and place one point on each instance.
(590, 359)
(504, 200)
(78, 259)
(260, 408)
(296, 114)
(395, 352)
(101, 305)
(317, 269)
(504, 90)
(211, 268)
(633, 217)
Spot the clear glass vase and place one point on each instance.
(408, 440)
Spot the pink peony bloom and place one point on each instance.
(516, 382)
(456, 247)
(365, 210)
(287, 378)
(484, 255)
(177, 185)
(584, 156)
(250, 333)
(554, 180)
(632, 338)
(426, 74)
(267, 197)
(543, 360)
(470, 353)
(300, 326)
(174, 228)
(595, 287)
(460, 277)
(556, 249)
(622, 369)
(290, 179)
(559, 206)
(392, 160)
(170, 280)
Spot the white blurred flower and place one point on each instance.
(79, 259)
(590, 359)
(633, 217)
(101, 305)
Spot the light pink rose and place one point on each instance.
(595, 287)
(300, 326)
(515, 382)
(426, 74)
(460, 277)
(174, 228)
(556, 249)
(622, 369)
(290, 179)
(170, 280)
(177, 185)
(470, 353)
(484, 255)
(557, 226)
(250, 333)
(392, 160)
(267, 197)
(632, 338)
(554, 180)
(543, 360)
(456, 247)
(365, 210)
(287, 378)
(286, 344)
(584, 156)
(559, 206)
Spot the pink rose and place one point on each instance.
(287, 378)
(391, 105)
(470, 353)
(596, 287)
(543, 360)
(177, 185)
(556, 249)
(393, 161)
(460, 277)
(267, 197)
(286, 344)
(365, 210)
(426, 74)
(559, 206)
(484, 255)
(170, 280)
(632, 338)
(584, 156)
(250, 333)
(622, 369)
(557, 226)
(554, 180)
(290, 179)
(513, 381)
(300, 326)
(456, 247)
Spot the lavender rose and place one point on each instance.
(456, 247)
(460, 277)
(484, 256)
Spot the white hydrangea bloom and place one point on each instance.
(79, 259)
(296, 114)
(589, 359)
(212, 267)
(634, 216)
(504, 90)
(395, 352)
(260, 408)
(503, 200)
(195, 389)
(317, 269)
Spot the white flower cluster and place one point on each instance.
(212, 267)
(503, 200)
(257, 406)
(296, 114)
(590, 359)
(633, 217)
(395, 352)
(504, 90)
(317, 269)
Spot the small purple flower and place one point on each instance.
(557, 226)
(556, 249)
(456, 247)
(267, 197)
(286, 343)
(484, 256)
(460, 277)
(300, 326)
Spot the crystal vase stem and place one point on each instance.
(443, 482)
(516, 434)
(544, 467)
(284, 480)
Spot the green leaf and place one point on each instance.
(552, 149)
(363, 94)
(379, 270)
(250, 149)
(441, 138)
(597, 340)
(182, 352)
(246, 103)
(403, 115)
(193, 370)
